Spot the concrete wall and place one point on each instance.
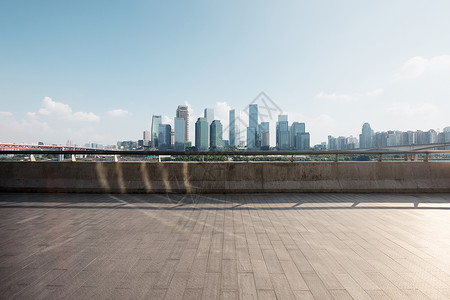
(224, 177)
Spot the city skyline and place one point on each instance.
(332, 66)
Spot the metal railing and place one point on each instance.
(408, 155)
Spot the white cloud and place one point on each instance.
(5, 114)
(60, 110)
(118, 112)
(333, 96)
(167, 120)
(406, 109)
(418, 66)
(375, 92)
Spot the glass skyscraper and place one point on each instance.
(252, 130)
(366, 136)
(164, 135)
(232, 128)
(180, 132)
(201, 134)
(156, 120)
(216, 135)
(283, 138)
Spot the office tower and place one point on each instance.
(252, 129)
(147, 137)
(201, 134)
(232, 128)
(253, 116)
(156, 120)
(303, 141)
(295, 130)
(164, 136)
(216, 135)
(366, 137)
(183, 112)
(264, 135)
(180, 133)
(251, 138)
(209, 117)
(282, 132)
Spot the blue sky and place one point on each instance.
(98, 70)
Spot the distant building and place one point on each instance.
(252, 129)
(179, 134)
(209, 117)
(146, 138)
(164, 136)
(366, 136)
(232, 128)
(303, 141)
(216, 136)
(201, 134)
(156, 120)
(264, 135)
(296, 130)
(251, 138)
(282, 132)
(183, 112)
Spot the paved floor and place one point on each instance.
(269, 246)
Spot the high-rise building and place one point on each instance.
(252, 130)
(209, 117)
(366, 137)
(282, 131)
(147, 137)
(156, 120)
(296, 130)
(253, 116)
(264, 135)
(251, 138)
(216, 135)
(201, 134)
(303, 141)
(179, 135)
(183, 112)
(164, 136)
(232, 128)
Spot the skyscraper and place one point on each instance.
(295, 131)
(147, 137)
(252, 130)
(303, 141)
(264, 134)
(282, 130)
(251, 138)
(180, 131)
(209, 117)
(232, 128)
(253, 116)
(216, 135)
(201, 134)
(183, 112)
(366, 136)
(156, 120)
(164, 136)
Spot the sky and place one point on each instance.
(96, 71)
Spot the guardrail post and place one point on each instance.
(159, 158)
(380, 157)
(32, 158)
(426, 157)
(292, 158)
(203, 158)
(116, 159)
(336, 158)
(73, 158)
